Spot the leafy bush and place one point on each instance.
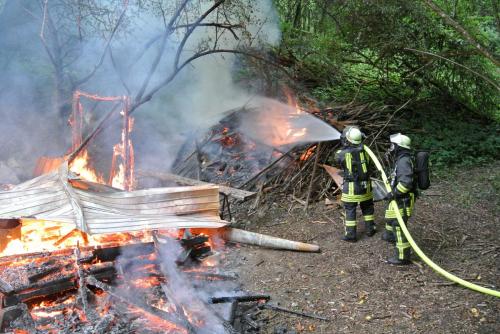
(455, 138)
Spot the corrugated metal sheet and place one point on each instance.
(52, 197)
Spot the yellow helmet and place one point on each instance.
(354, 135)
(401, 140)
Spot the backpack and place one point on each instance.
(422, 169)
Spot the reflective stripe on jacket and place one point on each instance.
(403, 176)
(356, 165)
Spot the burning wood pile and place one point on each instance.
(116, 287)
(283, 163)
(85, 257)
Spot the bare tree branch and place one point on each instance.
(229, 27)
(106, 48)
(118, 72)
(42, 33)
(455, 63)
(165, 82)
(191, 29)
(154, 65)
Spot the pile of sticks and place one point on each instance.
(293, 170)
(298, 172)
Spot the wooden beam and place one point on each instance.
(229, 191)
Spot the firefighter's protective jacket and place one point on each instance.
(357, 168)
(403, 180)
(403, 185)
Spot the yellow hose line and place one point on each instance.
(417, 249)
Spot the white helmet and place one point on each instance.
(354, 135)
(401, 140)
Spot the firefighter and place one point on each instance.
(356, 188)
(403, 184)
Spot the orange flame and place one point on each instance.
(43, 236)
(81, 166)
(307, 154)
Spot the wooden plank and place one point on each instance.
(334, 174)
(160, 191)
(198, 217)
(173, 209)
(226, 190)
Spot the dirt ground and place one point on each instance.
(456, 224)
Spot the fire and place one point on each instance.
(43, 314)
(124, 178)
(120, 176)
(81, 166)
(307, 154)
(145, 283)
(43, 236)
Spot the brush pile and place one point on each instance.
(226, 156)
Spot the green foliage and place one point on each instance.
(460, 140)
(390, 51)
(373, 50)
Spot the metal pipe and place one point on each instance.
(252, 238)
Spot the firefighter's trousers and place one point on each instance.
(350, 215)
(405, 205)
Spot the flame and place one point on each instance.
(81, 166)
(307, 154)
(121, 176)
(124, 178)
(145, 282)
(43, 236)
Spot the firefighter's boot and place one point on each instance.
(395, 260)
(350, 234)
(370, 227)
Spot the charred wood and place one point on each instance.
(82, 287)
(240, 299)
(211, 276)
(44, 272)
(111, 253)
(146, 308)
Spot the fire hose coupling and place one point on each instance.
(417, 249)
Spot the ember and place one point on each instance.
(58, 294)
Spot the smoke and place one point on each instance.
(35, 101)
(182, 291)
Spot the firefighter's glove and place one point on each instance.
(390, 196)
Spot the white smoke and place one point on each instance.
(195, 100)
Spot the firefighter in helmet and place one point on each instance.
(403, 184)
(356, 189)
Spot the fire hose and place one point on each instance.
(417, 249)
